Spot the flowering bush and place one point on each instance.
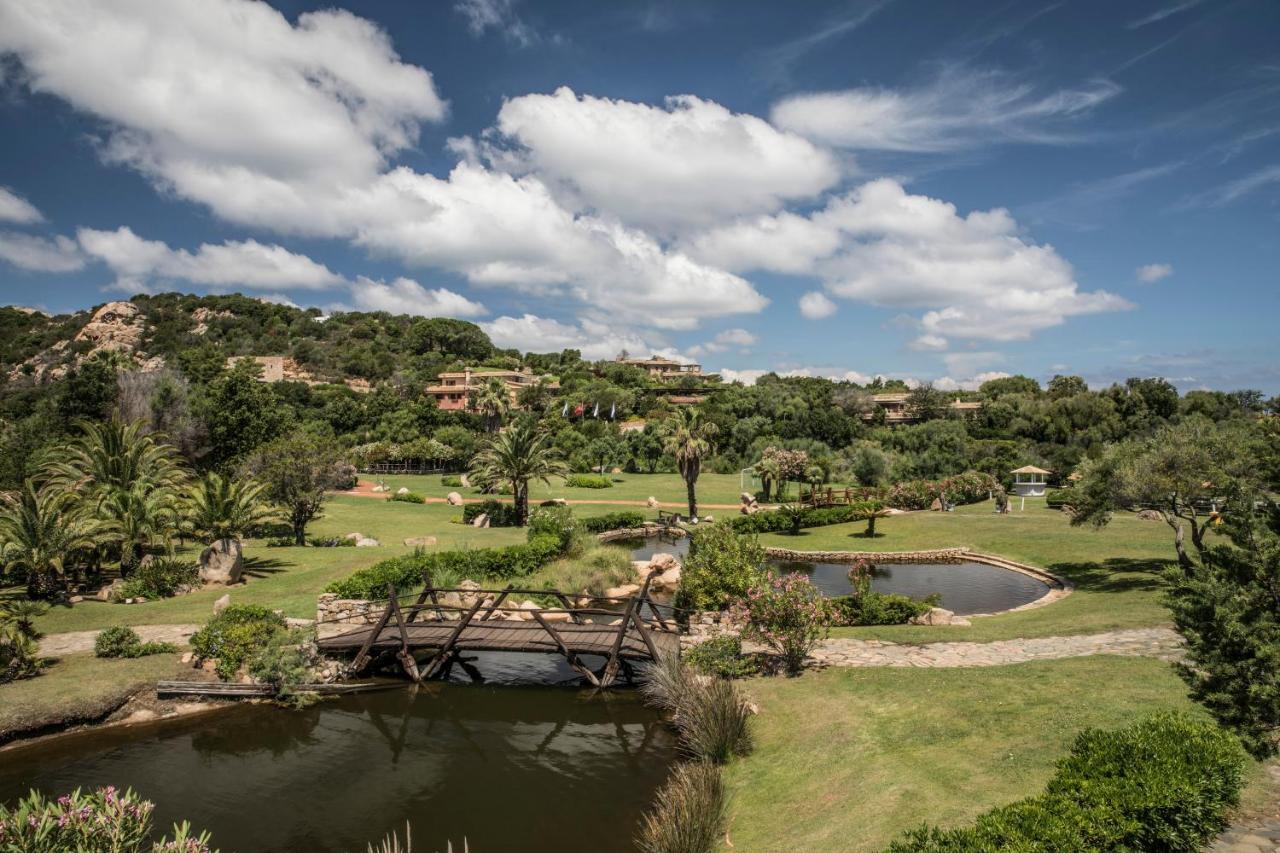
(788, 614)
(969, 487)
(104, 821)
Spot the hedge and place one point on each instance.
(1058, 498)
(588, 481)
(500, 514)
(408, 497)
(1165, 783)
(776, 522)
(410, 571)
(613, 521)
(969, 487)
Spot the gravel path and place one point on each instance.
(1159, 643)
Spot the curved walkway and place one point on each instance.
(1161, 643)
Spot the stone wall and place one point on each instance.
(331, 610)
(639, 533)
(938, 555)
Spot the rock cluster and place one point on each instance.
(749, 505)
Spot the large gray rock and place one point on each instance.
(222, 562)
(454, 499)
(935, 616)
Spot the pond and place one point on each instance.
(965, 587)
(506, 767)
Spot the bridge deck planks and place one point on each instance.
(507, 636)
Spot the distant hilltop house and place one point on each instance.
(897, 408)
(1029, 481)
(281, 368)
(665, 369)
(452, 392)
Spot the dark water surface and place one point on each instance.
(508, 767)
(964, 587)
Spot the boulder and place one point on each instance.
(471, 595)
(110, 592)
(652, 502)
(935, 616)
(353, 537)
(420, 541)
(1150, 515)
(670, 579)
(222, 562)
(709, 518)
(454, 499)
(222, 604)
(559, 616)
(525, 613)
(367, 543)
(402, 491)
(466, 481)
(662, 562)
(616, 470)
(481, 520)
(936, 506)
(750, 509)
(627, 589)
(747, 498)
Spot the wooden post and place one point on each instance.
(564, 650)
(439, 657)
(644, 635)
(573, 613)
(610, 671)
(362, 657)
(405, 656)
(497, 602)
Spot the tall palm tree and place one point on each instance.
(137, 519)
(769, 470)
(518, 454)
(688, 437)
(41, 531)
(493, 401)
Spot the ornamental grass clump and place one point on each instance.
(691, 812)
(103, 821)
(710, 715)
(788, 614)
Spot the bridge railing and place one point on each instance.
(484, 608)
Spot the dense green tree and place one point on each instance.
(1019, 384)
(241, 415)
(42, 531)
(1066, 386)
(296, 471)
(928, 403)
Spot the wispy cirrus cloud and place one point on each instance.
(959, 108)
(1162, 13)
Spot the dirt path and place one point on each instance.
(364, 489)
(71, 642)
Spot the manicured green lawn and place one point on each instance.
(1116, 569)
(289, 579)
(668, 488)
(848, 759)
(75, 688)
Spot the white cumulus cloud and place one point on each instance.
(596, 340)
(815, 305)
(406, 296)
(59, 254)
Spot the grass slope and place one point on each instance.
(848, 759)
(668, 488)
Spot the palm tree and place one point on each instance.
(688, 437)
(516, 455)
(493, 401)
(220, 507)
(126, 478)
(769, 470)
(41, 530)
(869, 511)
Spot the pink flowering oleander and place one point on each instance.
(788, 614)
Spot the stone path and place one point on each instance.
(1161, 643)
(1250, 838)
(82, 641)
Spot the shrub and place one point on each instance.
(19, 651)
(1057, 498)
(408, 497)
(722, 565)
(104, 821)
(613, 521)
(557, 521)
(500, 514)
(326, 542)
(478, 564)
(777, 521)
(452, 481)
(123, 642)
(969, 487)
(233, 635)
(1165, 783)
(588, 481)
(160, 577)
(710, 715)
(876, 608)
(788, 614)
(691, 812)
(722, 657)
(284, 661)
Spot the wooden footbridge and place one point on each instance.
(431, 624)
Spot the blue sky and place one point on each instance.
(932, 190)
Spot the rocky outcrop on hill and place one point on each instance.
(115, 327)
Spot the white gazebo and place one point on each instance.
(1029, 481)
